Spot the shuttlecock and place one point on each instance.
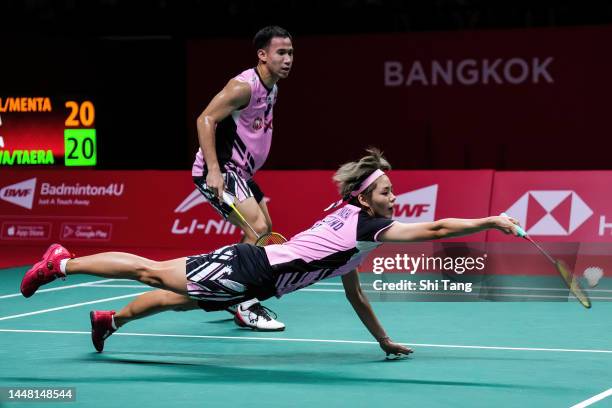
(593, 274)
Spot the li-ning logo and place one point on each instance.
(196, 198)
(193, 199)
(550, 212)
(21, 194)
(192, 225)
(416, 206)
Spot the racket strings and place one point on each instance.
(272, 238)
(573, 284)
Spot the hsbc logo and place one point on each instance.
(21, 194)
(550, 212)
(416, 206)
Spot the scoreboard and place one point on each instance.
(47, 131)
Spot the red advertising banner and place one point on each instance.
(163, 209)
(431, 100)
(566, 211)
(107, 209)
(562, 206)
(569, 213)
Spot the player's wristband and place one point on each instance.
(381, 339)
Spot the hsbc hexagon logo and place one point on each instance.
(550, 212)
(417, 205)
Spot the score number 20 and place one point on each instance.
(80, 139)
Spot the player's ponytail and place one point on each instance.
(350, 175)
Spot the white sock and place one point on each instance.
(63, 263)
(245, 305)
(113, 322)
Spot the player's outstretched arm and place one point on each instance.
(446, 228)
(362, 307)
(236, 95)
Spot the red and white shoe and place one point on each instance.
(101, 327)
(257, 317)
(46, 270)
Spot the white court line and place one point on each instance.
(528, 288)
(59, 288)
(119, 286)
(145, 286)
(490, 287)
(519, 288)
(474, 288)
(101, 285)
(418, 293)
(87, 284)
(593, 399)
(321, 290)
(300, 340)
(68, 306)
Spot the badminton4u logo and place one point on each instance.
(190, 226)
(550, 212)
(21, 194)
(417, 205)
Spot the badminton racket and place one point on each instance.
(269, 238)
(571, 281)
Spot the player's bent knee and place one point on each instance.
(261, 227)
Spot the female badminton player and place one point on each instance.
(333, 246)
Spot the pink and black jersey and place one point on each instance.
(331, 247)
(243, 139)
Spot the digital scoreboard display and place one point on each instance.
(47, 131)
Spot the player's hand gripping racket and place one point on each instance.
(568, 277)
(269, 238)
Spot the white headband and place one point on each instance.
(364, 184)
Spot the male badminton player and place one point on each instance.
(235, 134)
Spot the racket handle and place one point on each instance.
(520, 231)
(230, 201)
(228, 198)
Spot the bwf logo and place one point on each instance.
(416, 206)
(21, 194)
(550, 212)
